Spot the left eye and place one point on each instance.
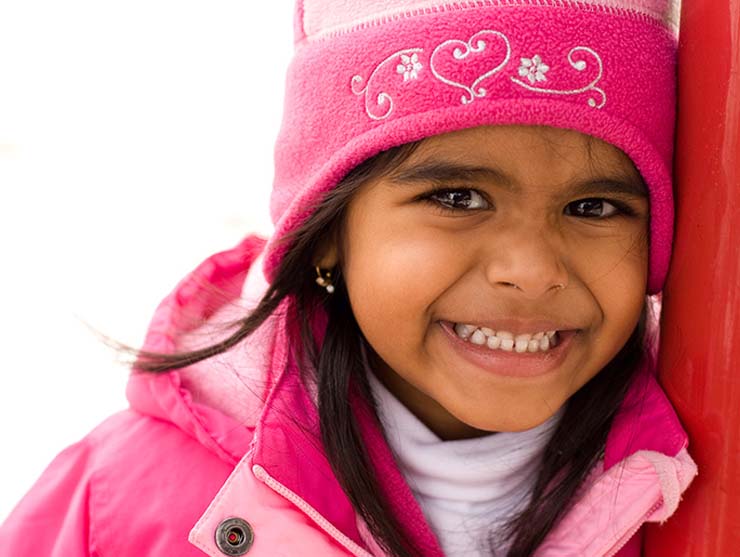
(593, 208)
(457, 199)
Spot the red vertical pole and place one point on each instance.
(700, 330)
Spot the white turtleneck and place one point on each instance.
(466, 488)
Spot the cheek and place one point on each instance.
(399, 267)
(620, 294)
(622, 303)
(394, 274)
(605, 263)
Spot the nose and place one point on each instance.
(529, 260)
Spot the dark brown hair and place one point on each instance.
(337, 365)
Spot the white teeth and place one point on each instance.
(493, 342)
(503, 340)
(521, 345)
(463, 331)
(545, 342)
(478, 338)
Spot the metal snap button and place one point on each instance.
(234, 536)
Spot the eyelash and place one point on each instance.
(622, 209)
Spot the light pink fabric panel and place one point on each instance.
(321, 16)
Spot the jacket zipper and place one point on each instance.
(262, 475)
(632, 531)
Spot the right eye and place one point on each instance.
(598, 208)
(456, 200)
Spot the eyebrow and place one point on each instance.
(443, 172)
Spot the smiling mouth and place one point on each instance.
(506, 341)
(512, 357)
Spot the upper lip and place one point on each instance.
(519, 326)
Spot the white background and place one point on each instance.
(135, 140)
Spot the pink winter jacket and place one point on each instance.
(235, 437)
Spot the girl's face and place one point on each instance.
(530, 229)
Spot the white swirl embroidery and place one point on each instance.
(411, 69)
(464, 49)
(579, 65)
(408, 66)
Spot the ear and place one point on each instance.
(327, 255)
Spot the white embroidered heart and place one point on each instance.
(477, 44)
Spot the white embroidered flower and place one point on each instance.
(409, 66)
(533, 69)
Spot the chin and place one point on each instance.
(504, 423)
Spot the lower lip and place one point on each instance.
(511, 364)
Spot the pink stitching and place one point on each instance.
(261, 474)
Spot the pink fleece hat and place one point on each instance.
(368, 75)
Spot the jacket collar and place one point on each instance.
(646, 421)
(287, 444)
(280, 424)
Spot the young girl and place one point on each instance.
(447, 346)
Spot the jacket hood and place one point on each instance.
(217, 401)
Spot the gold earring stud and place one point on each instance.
(325, 281)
